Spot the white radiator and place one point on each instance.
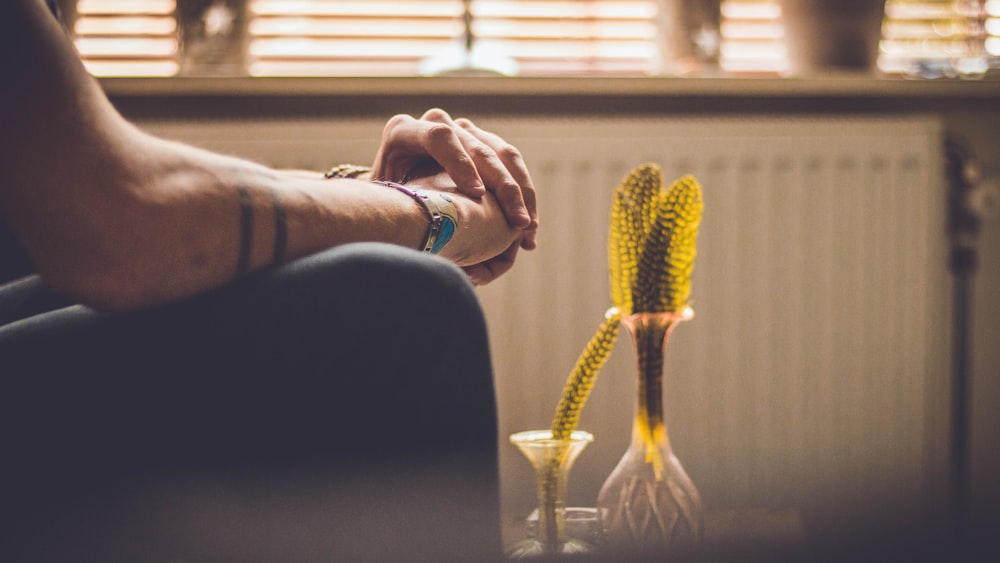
(815, 372)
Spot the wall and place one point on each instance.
(966, 111)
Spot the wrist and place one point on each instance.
(440, 212)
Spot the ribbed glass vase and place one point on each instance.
(648, 501)
(551, 460)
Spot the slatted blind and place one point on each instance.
(933, 38)
(570, 37)
(337, 38)
(527, 37)
(127, 37)
(753, 40)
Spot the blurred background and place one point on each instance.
(845, 291)
(921, 38)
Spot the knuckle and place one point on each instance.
(512, 192)
(509, 153)
(481, 151)
(394, 124)
(440, 132)
(436, 114)
(398, 120)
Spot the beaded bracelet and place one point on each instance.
(346, 171)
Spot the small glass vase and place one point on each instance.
(648, 501)
(551, 459)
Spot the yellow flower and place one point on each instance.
(666, 260)
(582, 378)
(651, 252)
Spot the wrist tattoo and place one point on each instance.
(280, 228)
(246, 230)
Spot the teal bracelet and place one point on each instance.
(441, 212)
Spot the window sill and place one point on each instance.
(842, 85)
(247, 96)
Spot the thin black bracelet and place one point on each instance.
(246, 230)
(280, 228)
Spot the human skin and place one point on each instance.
(120, 220)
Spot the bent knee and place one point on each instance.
(378, 267)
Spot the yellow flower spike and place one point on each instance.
(622, 255)
(582, 378)
(642, 188)
(633, 215)
(666, 261)
(651, 251)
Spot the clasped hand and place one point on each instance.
(484, 245)
(494, 193)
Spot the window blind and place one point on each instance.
(569, 37)
(753, 40)
(940, 38)
(537, 37)
(127, 37)
(338, 38)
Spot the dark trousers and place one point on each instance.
(339, 407)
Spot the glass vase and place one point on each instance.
(551, 460)
(648, 501)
